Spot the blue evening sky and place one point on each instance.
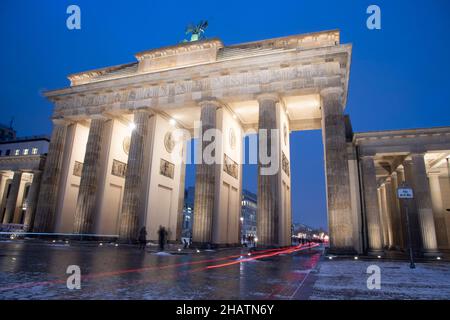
(400, 75)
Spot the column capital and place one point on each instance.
(211, 101)
(331, 90)
(419, 153)
(101, 116)
(367, 157)
(143, 110)
(434, 173)
(61, 122)
(268, 96)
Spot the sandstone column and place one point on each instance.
(371, 205)
(204, 181)
(11, 202)
(385, 217)
(416, 238)
(179, 230)
(3, 189)
(395, 213)
(337, 172)
(268, 188)
(387, 196)
(424, 207)
(31, 200)
(400, 181)
(438, 210)
(274, 195)
(87, 193)
(46, 206)
(134, 186)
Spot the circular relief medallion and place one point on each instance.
(285, 134)
(126, 144)
(232, 139)
(169, 142)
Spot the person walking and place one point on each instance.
(162, 236)
(142, 238)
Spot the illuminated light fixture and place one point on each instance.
(438, 258)
(116, 245)
(379, 257)
(14, 259)
(54, 241)
(67, 241)
(330, 258)
(256, 239)
(242, 218)
(198, 251)
(172, 122)
(100, 244)
(132, 126)
(356, 258)
(179, 249)
(249, 254)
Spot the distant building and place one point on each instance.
(21, 164)
(248, 214)
(6, 133)
(302, 231)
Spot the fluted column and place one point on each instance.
(46, 206)
(268, 186)
(3, 189)
(395, 213)
(389, 211)
(384, 216)
(371, 205)
(87, 194)
(438, 210)
(11, 202)
(424, 208)
(384, 237)
(204, 181)
(416, 238)
(31, 201)
(134, 186)
(400, 181)
(337, 172)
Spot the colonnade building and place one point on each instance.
(110, 167)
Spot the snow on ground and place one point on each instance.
(347, 279)
(161, 253)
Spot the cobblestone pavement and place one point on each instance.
(36, 270)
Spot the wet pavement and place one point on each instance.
(35, 270)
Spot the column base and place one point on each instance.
(375, 252)
(346, 251)
(431, 254)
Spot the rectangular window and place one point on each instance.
(8, 152)
(25, 152)
(17, 152)
(34, 151)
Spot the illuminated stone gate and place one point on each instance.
(110, 170)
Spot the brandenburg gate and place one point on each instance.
(110, 167)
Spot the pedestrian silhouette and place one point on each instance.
(162, 236)
(142, 238)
